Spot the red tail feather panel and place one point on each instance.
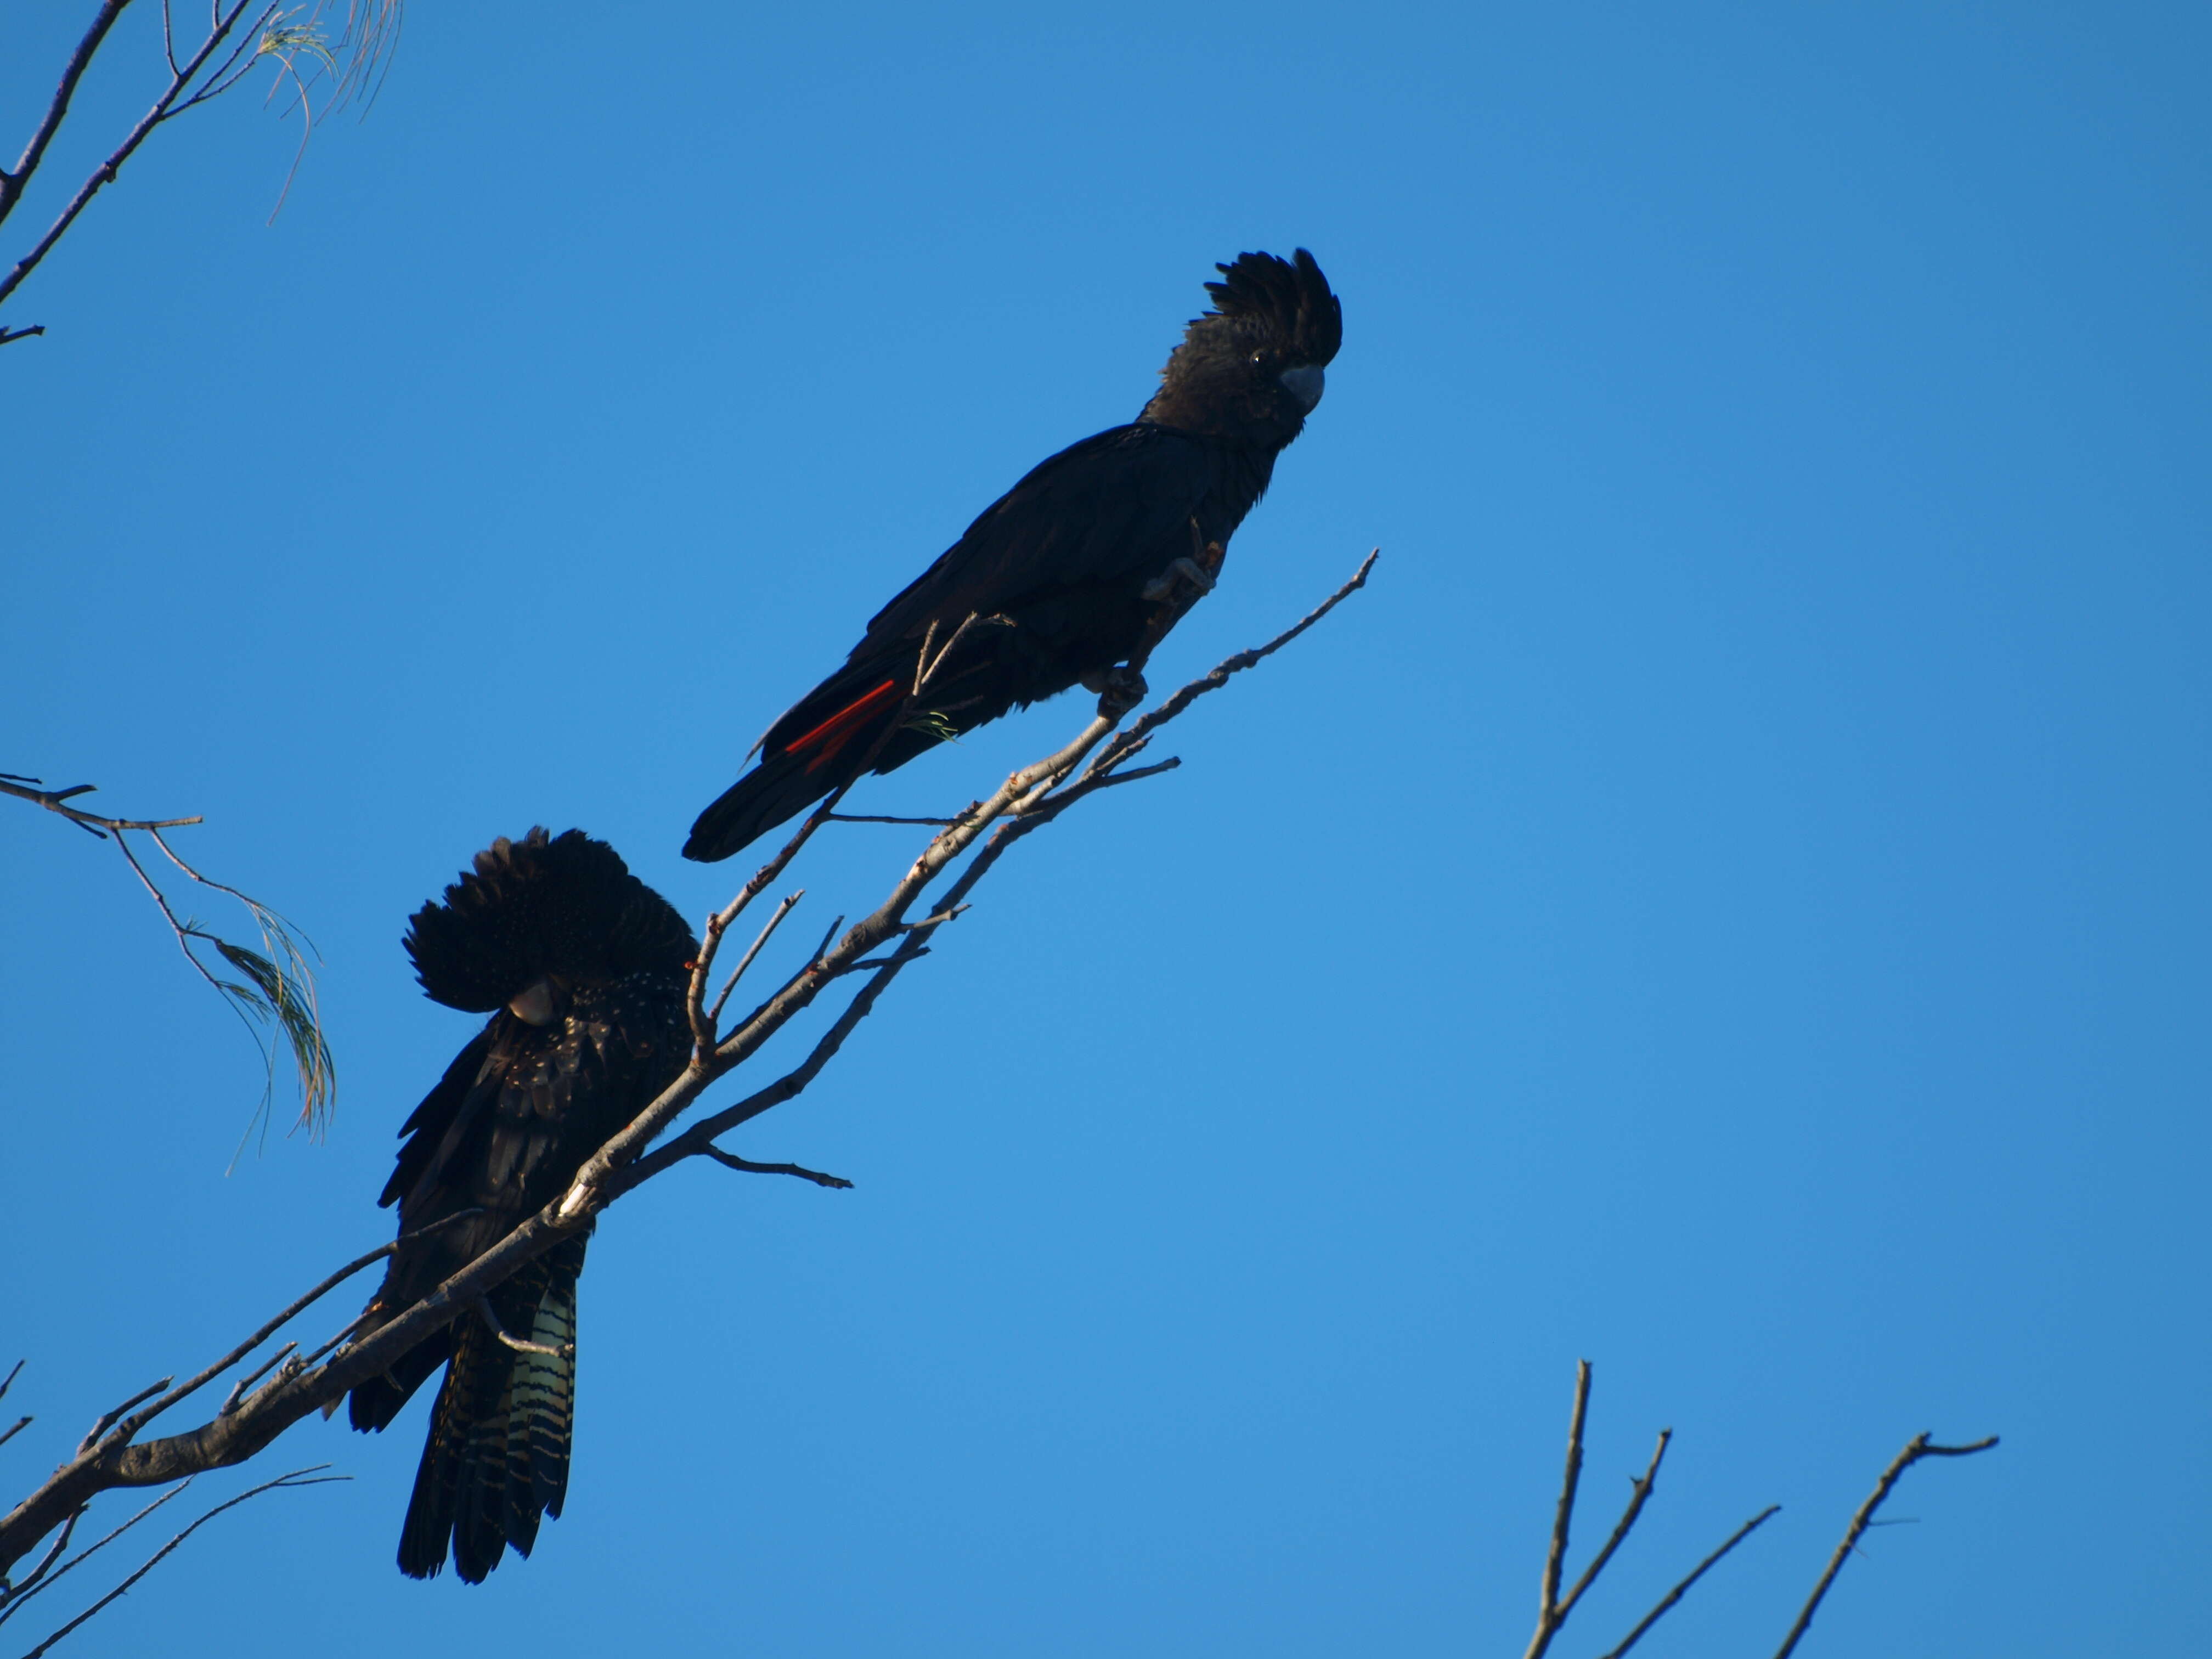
(834, 733)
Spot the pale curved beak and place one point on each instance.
(535, 1006)
(1305, 383)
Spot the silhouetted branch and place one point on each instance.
(226, 54)
(219, 31)
(1915, 1449)
(554, 1350)
(12, 183)
(1641, 1490)
(1676, 1594)
(1553, 1607)
(296, 1479)
(744, 961)
(732, 1161)
(12, 1599)
(1550, 1616)
(298, 1390)
(279, 984)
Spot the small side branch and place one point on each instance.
(11, 1602)
(277, 988)
(732, 1161)
(1154, 719)
(57, 800)
(1667, 1602)
(300, 1386)
(1549, 1615)
(1642, 1490)
(164, 106)
(108, 1420)
(310, 1476)
(520, 1345)
(1915, 1449)
(12, 183)
(737, 973)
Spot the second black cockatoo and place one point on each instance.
(1074, 573)
(583, 969)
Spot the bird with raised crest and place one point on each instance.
(1074, 574)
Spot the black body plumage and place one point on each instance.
(1068, 565)
(558, 930)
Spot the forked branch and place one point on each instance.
(278, 986)
(1919, 1447)
(296, 44)
(298, 1388)
(1553, 1607)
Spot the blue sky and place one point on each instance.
(1728, 902)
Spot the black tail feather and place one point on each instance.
(373, 1404)
(496, 1460)
(778, 788)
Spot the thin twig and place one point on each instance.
(619, 1166)
(880, 818)
(283, 1482)
(1682, 1589)
(105, 172)
(343, 1332)
(1219, 677)
(284, 988)
(12, 183)
(10, 1594)
(238, 1389)
(298, 1306)
(38, 1581)
(737, 973)
(108, 1420)
(1641, 1486)
(1915, 1449)
(1549, 1615)
(57, 800)
(732, 1161)
(520, 1345)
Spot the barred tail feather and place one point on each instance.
(496, 1460)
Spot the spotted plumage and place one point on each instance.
(585, 966)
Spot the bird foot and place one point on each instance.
(1182, 570)
(1120, 690)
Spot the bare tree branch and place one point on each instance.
(12, 1601)
(1667, 1602)
(490, 1317)
(310, 1476)
(620, 1165)
(12, 184)
(1549, 1613)
(1642, 1490)
(279, 987)
(732, 1161)
(104, 174)
(1915, 1449)
(296, 46)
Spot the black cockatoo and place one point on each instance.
(583, 969)
(1077, 571)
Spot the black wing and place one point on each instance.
(1116, 505)
(507, 1128)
